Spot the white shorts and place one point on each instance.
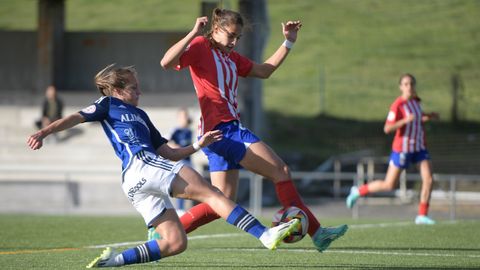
(147, 184)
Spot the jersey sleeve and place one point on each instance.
(394, 114)
(97, 111)
(244, 64)
(193, 53)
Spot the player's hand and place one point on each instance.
(200, 24)
(35, 141)
(430, 116)
(210, 137)
(290, 30)
(409, 118)
(434, 116)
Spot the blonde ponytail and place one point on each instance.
(111, 77)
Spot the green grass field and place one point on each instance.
(70, 242)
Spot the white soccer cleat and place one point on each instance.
(424, 220)
(106, 259)
(352, 197)
(273, 236)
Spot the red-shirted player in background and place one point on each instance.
(214, 68)
(406, 119)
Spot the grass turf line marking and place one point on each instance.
(30, 251)
(195, 237)
(346, 251)
(396, 224)
(225, 235)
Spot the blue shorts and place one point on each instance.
(403, 160)
(226, 154)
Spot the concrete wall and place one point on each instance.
(18, 58)
(88, 52)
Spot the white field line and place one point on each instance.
(346, 251)
(387, 225)
(226, 235)
(190, 238)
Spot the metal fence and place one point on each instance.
(71, 179)
(359, 178)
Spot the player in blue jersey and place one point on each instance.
(149, 178)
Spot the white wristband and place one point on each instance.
(196, 146)
(288, 44)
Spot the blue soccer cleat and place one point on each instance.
(424, 220)
(325, 236)
(352, 197)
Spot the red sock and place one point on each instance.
(423, 209)
(197, 216)
(288, 196)
(363, 190)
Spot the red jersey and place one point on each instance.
(411, 137)
(215, 77)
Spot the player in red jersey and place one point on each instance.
(406, 119)
(215, 67)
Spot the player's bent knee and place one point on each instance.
(282, 174)
(286, 171)
(177, 242)
(181, 246)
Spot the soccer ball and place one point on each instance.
(285, 215)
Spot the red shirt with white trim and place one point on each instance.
(410, 137)
(215, 77)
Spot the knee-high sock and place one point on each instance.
(197, 216)
(288, 196)
(363, 190)
(147, 252)
(423, 209)
(240, 218)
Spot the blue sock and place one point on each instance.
(147, 252)
(242, 219)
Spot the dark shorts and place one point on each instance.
(403, 160)
(226, 154)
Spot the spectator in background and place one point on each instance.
(52, 108)
(182, 137)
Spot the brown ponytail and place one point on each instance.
(222, 18)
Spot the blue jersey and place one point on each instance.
(182, 137)
(128, 128)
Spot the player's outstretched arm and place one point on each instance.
(172, 56)
(290, 32)
(35, 141)
(177, 154)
